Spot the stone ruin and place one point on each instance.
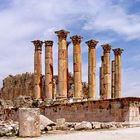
(23, 85)
(66, 96)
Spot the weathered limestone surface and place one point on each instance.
(112, 79)
(109, 110)
(29, 122)
(118, 72)
(102, 78)
(67, 56)
(62, 63)
(23, 85)
(77, 67)
(106, 69)
(37, 69)
(48, 70)
(91, 68)
(20, 84)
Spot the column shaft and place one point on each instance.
(112, 78)
(77, 67)
(37, 69)
(118, 72)
(91, 68)
(106, 68)
(48, 70)
(102, 78)
(62, 64)
(67, 67)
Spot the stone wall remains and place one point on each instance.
(23, 84)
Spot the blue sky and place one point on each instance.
(108, 21)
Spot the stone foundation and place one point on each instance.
(109, 110)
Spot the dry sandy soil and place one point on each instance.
(120, 134)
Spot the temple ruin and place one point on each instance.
(65, 95)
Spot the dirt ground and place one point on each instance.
(120, 134)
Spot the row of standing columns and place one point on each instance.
(110, 81)
(105, 76)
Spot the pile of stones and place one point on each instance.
(11, 128)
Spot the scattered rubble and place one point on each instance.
(83, 126)
(11, 128)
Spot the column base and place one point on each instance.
(91, 99)
(61, 100)
(48, 101)
(77, 99)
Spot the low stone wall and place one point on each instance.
(110, 110)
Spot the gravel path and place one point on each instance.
(121, 134)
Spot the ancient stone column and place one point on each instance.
(48, 70)
(102, 78)
(37, 69)
(77, 67)
(54, 89)
(106, 69)
(29, 122)
(62, 64)
(68, 42)
(112, 78)
(91, 69)
(118, 72)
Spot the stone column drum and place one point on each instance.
(29, 122)
(112, 78)
(102, 78)
(77, 67)
(48, 70)
(106, 68)
(91, 69)
(118, 72)
(37, 69)
(62, 64)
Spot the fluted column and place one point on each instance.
(77, 67)
(118, 73)
(91, 68)
(37, 69)
(112, 78)
(62, 64)
(106, 69)
(102, 78)
(48, 70)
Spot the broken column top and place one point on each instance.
(76, 39)
(48, 43)
(118, 51)
(62, 34)
(92, 43)
(106, 48)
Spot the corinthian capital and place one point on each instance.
(76, 39)
(118, 51)
(62, 34)
(106, 48)
(92, 43)
(48, 43)
(37, 44)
